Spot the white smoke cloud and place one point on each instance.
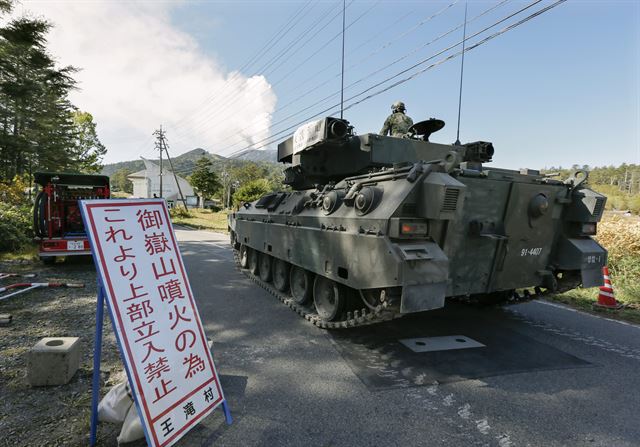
(139, 71)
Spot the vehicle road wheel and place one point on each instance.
(244, 256)
(254, 265)
(329, 298)
(265, 267)
(301, 282)
(281, 275)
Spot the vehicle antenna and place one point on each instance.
(464, 41)
(342, 73)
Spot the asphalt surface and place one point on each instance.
(548, 376)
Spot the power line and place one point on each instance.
(218, 105)
(297, 40)
(422, 22)
(282, 31)
(421, 71)
(368, 76)
(203, 119)
(324, 45)
(353, 50)
(475, 45)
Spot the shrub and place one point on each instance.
(180, 212)
(251, 191)
(621, 237)
(15, 192)
(634, 204)
(618, 202)
(15, 227)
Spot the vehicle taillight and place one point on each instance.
(413, 228)
(588, 229)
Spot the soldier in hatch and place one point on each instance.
(397, 124)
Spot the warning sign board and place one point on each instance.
(156, 322)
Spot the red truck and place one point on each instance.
(57, 222)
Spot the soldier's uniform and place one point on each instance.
(397, 124)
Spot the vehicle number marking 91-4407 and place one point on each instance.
(531, 251)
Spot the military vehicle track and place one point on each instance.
(363, 317)
(385, 311)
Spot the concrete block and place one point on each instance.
(53, 361)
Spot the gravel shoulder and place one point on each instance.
(56, 415)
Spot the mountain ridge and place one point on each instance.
(184, 164)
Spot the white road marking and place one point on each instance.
(570, 309)
(622, 350)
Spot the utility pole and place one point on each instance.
(160, 140)
(162, 145)
(235, 185)
(225, 187)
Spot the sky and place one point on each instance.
(562, 88)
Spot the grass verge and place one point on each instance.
(201, 219)
(584, 299)
(28, 253)
(621, 237)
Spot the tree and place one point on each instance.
(203, 179)
(40, 129)
(121, 182)
(6, 5)
(251, 191)
(248, 172)
(88, 150)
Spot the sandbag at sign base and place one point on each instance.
(117, 407)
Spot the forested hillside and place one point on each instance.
(228, 170)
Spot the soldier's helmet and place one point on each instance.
(398, 106)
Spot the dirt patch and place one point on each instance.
(58, 415)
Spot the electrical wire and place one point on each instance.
(422, 22)
(396, 61)
(282, 31)
(423, 70)
(217, 107)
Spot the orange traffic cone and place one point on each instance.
(606, 297)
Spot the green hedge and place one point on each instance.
(15, 227)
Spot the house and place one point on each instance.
(146, 184)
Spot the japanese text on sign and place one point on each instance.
(157, 325)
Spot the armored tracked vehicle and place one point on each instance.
(377, 227)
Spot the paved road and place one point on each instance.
(549, 376)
